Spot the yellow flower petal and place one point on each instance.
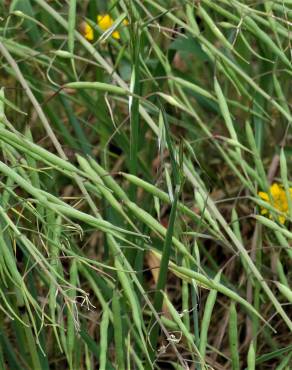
(282, 219)
(87, 31)
(104, 21)
(116, 35)
(264, 195)
(275, 190)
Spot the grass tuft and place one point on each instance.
(145, 202)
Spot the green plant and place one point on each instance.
(131, 171)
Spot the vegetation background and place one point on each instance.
(131, 164)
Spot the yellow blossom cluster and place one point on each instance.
(277, 199)
(104, 22)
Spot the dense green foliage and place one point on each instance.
(132, 231)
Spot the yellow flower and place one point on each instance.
(87, 31)
(278, 200)
(105, 22)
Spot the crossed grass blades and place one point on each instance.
(145, 204)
